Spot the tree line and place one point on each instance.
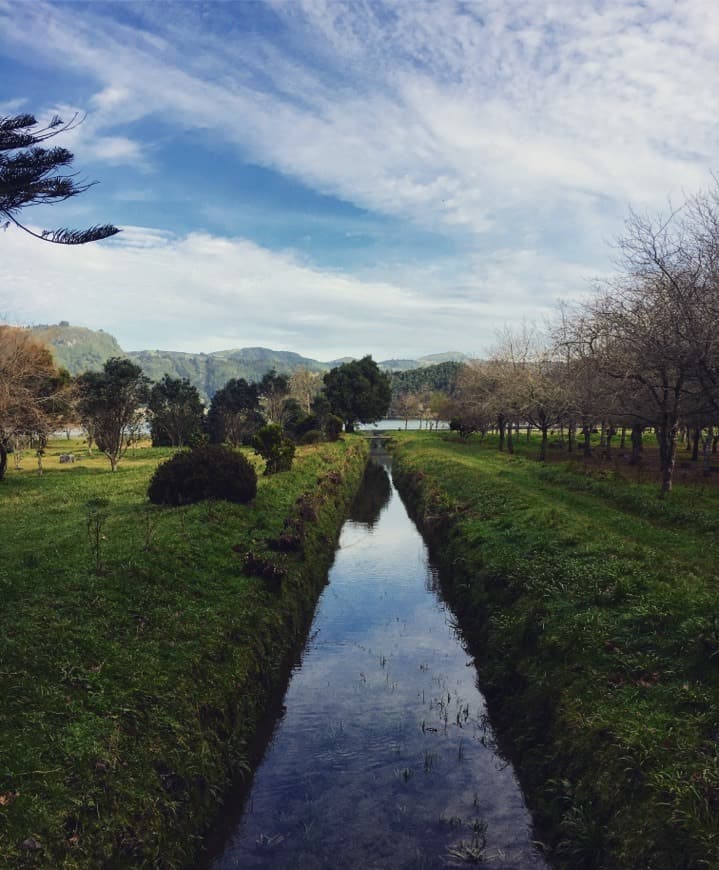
(422, 393)
(642, 353)
(118, 405)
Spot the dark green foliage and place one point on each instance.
(109, 406)
(273, 390)
(277, 451)
(333, 427)
(320, 406)
(440, 378)
(465, 426)
(297, 424)
(234, 412)
(293, 419)
(176, 412)
(206, 472)
(312, 436)
(308, 424)
(358, 392)
(32, 176)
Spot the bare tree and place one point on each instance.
(30, 388)
(304, 386)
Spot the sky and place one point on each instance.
(342, 178)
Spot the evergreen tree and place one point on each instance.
(31, 175)
(358, 392)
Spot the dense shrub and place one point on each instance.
(277, 451)
(210, 471)
(308, 423)
(312, 436)
(333, 427)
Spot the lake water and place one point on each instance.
(396, 423)
(384, 757)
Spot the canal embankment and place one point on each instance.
(137, 663)
(384, 756)
(590, 606)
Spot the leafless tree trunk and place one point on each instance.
(707, 463)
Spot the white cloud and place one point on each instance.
(521, 131)
(442, 113)
(205, 293)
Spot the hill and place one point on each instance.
(438, 377)
(79, 349)
(76, 348)
(208, 372)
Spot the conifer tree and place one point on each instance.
(33, 175)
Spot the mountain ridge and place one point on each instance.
(79, 349)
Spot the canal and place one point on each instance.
(383, 756)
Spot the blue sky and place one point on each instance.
(341, 178)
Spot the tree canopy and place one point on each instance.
(176, 412)
(31, 175)
(110, 403)
(358, 392)
(235, 412)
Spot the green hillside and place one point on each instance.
(75, 348)
(79, 349)
(209, 372)
(440, 377)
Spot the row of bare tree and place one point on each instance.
(642, 352)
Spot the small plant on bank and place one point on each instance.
(277, 451)
(208, 472)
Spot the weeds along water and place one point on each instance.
(384, 757)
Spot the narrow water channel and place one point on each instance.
(384, 757)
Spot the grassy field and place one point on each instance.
(593, 609)
(130, 693)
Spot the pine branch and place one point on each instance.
(64, 236)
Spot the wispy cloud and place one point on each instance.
(445, 113)
(522, 132)
(202, 293)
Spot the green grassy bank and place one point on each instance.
(130, 693)
(593, 611)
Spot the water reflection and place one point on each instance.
(372, 496)
(385, 757)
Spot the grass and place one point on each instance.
(137, 657)
(595, 607)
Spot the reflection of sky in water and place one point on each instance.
(383, 758)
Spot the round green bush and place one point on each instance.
(312, 436)
(210, 471)
(277, 451)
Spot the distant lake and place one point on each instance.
(400, 424)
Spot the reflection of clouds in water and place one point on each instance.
(384, 757)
